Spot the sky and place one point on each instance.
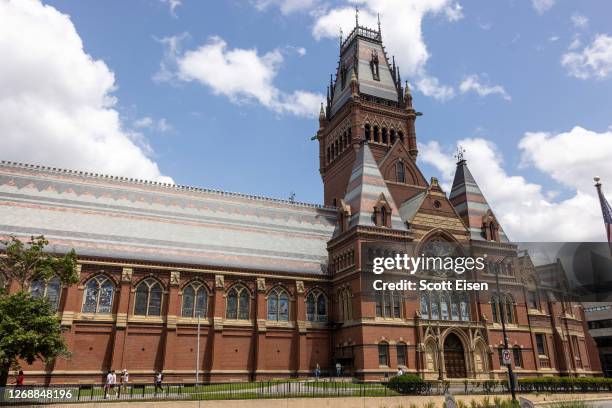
(225, 95)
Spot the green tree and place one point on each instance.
(29, 329)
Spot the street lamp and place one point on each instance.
(503, 322)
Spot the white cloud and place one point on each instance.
(542, 6)
(57, 106)
(580, 21)
(172, 5)
(554, 38)
(473, 83)
(430, 86)
(287, 6)
(525, 210)
(595, 60)
(147, 122)
(401, 31)
(242, 75)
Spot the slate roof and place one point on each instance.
(356, 54)
(365, 186)
(470, 203)
(113, 217)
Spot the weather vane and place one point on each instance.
(459, 153)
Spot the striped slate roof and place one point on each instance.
(113, 217)
(470, 203)
(365, 186)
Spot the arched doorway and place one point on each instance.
(454, 357)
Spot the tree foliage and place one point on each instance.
(27, 262)
(29, 329)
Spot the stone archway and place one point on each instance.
(454, 357)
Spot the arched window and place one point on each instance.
(455, 305)
(278, 305)
(344, 304)
(425, 305)
(532, 299)
(464, 307)
(238, 299)
(383, 217)
(385, 138)
(383, 353)
(98, 297)
(376, 134)
(444, 306)
(435, 306)
(400, 172)
(195, 300)
(392, 136)
(316, 307)
(402, 354)
(495, 309)
(388, 304)
(509, 306)
(50, 289)
(401, 136)
(149, 295)
(368, 133)
(518, 360)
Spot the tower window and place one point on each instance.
(376, 135)
(374, 66)
(400, 172)
(384, 135)
(401, 136)
(392, 136)
(368, 135)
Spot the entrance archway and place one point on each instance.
(454, 357)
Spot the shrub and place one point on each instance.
(565, 384)
(407, 384)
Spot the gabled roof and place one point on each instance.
(470, 203)
(356, 55)
(114, 217)
(364, 190)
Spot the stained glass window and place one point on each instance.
(148, 300)
(98, 296)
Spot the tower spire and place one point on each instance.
(605, 209)
(378, 18)
(356, 16)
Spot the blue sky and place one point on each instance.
(225, 94)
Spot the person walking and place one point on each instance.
(317, 371)
(109, 383)
(338, 369)
(159, 378)
(19, 379)
(400, 372)
(125, 379)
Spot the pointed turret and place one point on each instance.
(472, 207)
(367, 195)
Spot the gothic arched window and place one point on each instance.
(49, 289)
(444, 306)
(368, 133)
(316, 307)
(149, 295)
(383, 217)
(454, 306)
(383, 353)
(278, 305)
(425, 305)
(435, 306)
(238, 300)
(98, 296)
(385, 138)
(376, 135)
(400, 172)
(195, 300)
(388, 304)
(401, 136)
(392, 136)
(495, 309)
(345, 309)
(464, 307)
(509, 306)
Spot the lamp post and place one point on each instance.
(198, 353)
(503, 322)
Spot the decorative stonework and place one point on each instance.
(261, 284)
(299, 286)
(67, 319)
(175, 278)
(122, 320)
(219, 281)
(171, 322)
(79, 267)
(126, 274)
(261, 325)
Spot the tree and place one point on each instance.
(29, 329)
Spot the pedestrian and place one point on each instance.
(107, 383)
(19, 379)
(159, 377)
(338, 369)
(317, 371)
(399, 371)
(125, 379)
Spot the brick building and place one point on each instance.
(278, 284)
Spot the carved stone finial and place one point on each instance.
(261, 284)
(299, 286)
(126, 274)
(219, 281)
(322, 113)
(175, 278)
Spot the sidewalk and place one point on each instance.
(344, 402)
